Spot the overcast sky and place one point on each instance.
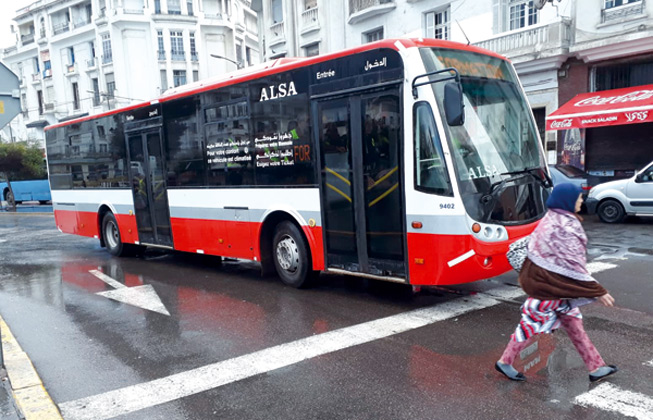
(7, 12)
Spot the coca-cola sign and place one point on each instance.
(561, 124)
(638, 95)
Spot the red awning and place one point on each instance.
(631, 105)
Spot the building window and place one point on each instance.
(75, 96)
(162, 51)
(609, 4)
(177, 45)
(437, 25)
(39, 96)
(164, 80)
(193, 51)
(375, 35)
(196, 75)
(111, 85)
(23, 102)
(179, 77)
(71, 56)
(277, 11)
(310, 4)
(37, 66)
(248, 56)
(521, 14)
(312, 50)
(96, 92)
(157, 6)
(189, 7)
(239, 53)
(107, 54)
(174, 7)
(622, 75)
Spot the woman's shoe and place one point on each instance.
(603, 372)
(509, 371)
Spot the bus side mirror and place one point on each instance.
(454, 108)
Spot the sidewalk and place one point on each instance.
(8, 410)
(28, 207)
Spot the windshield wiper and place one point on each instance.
(546, 181)
(515, 175)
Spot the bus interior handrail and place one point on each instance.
(455, 76)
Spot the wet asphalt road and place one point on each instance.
(83, 344)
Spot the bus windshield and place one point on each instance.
(498, 139)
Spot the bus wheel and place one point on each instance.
(111, 235)
(291, 257)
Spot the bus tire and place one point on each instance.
(111, 236)
(611, 211)
(291, 256)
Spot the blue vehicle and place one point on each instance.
(33, 190)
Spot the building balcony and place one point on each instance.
(623, 12)
(101, 18)
(133, 11)
(193, 56)
(178, 56)
(309, 20)
(532, 42)
(71, 69)
(81, 22)
(277, 34)
(91, 63)
(364, 9)
(36, 77)
(60, 28)
(27, 39)
(48, 107)
(107, 59)
(217, 16)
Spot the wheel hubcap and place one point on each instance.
(288, 254)
(610, 212)
(111, 234)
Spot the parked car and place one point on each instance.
(615, 200)
(573, 175)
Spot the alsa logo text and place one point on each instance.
(279, 91)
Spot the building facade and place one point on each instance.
(564, 48)
(79, 57)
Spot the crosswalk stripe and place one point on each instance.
(611, 398)
(598, 266)
(137, 397)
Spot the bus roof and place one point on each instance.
(277, 66)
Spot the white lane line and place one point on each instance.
(462, 258)
(108, 280)
(598, 266)
(610, 397)
(159, 391)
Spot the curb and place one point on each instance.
(30, 396)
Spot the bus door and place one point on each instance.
(149, 186)
(361, 183)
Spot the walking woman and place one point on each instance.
(556, 280)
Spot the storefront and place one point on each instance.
(607, 133)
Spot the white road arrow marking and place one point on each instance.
(141, 296)
(649, 363)
(610, 397)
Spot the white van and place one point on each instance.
(613, 201)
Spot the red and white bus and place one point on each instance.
(408, 160)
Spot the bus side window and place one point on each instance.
(430, 168)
